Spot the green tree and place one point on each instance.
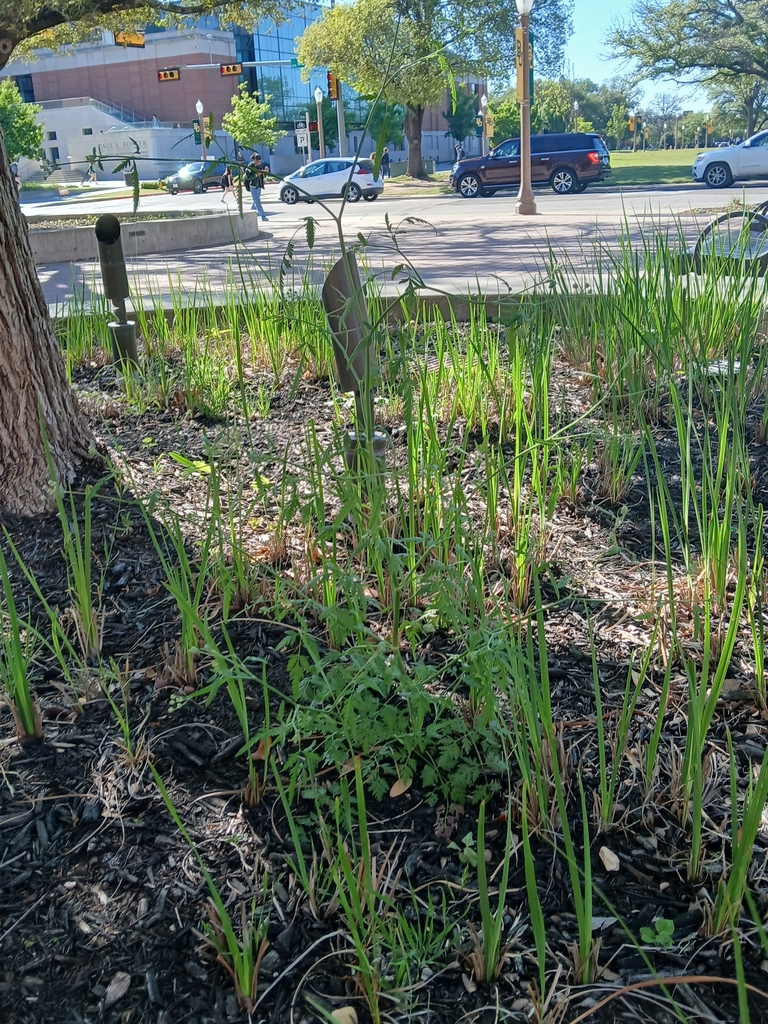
(739, 105)
(506, 113)
(710, 42)
(617, 124)
(401, 48)
(36, 401)
(250, 122)
(22, 133)
(461, 118)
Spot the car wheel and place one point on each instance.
(470, 186)
(174, 191)
(197, 186)
(583, 186)
(353, 192)
(370, 197)
(290, 195)
(564, 181)
(718, 175)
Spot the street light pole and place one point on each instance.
(575, 115)
(320, 131)
(525, 201)
(483, 108)
(199, 109)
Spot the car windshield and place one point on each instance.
(189, 169)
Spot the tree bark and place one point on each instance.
(414, 117)
(33, 382)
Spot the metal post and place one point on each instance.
(340, 122)
(525, 201)
(320, 129)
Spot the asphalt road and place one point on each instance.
(454, 243)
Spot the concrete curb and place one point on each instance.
(143, 238)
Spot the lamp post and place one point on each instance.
(664, 146)
(525, 201)
(575, 115)
(199, 109)
(483, 106)
(320, 133)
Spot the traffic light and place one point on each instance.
(632, 122)
(333, 87)
(231, 69)
(169, 75)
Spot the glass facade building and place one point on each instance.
(290, 97)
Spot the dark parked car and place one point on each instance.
(197, 176)
(566, 161)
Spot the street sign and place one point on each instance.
(300, 125)
(302, 140)
(519, 64)
(295, 63)
(130, 39)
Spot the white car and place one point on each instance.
(749, 159)
(330, 179)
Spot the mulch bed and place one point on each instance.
(102, 900)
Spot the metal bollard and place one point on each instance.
(115, 278)
(355, 357)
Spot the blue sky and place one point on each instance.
(587, 55)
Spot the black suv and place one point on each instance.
(566, 161)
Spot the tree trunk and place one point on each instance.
(414, 117)
(750, 105)
(33, 382)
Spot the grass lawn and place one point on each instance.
(653, 167)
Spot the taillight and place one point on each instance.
(593, 157)
(362, 170)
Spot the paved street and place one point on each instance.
(458, 245)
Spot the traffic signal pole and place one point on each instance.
(340, 122)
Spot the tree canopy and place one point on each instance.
(695, 40)
(22, 133)
(402, 49)
(25, 24)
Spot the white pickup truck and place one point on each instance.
(721, 167)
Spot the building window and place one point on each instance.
(54, 154)
(87, 131)
(25, 87)
(51, 136)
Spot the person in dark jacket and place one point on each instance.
(255, 177)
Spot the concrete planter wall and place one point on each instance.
(64, 245)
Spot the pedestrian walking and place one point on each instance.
(227, 183)
(385, 161)
(459, 151)
(255, 177)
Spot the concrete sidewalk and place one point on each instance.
(461, 257)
